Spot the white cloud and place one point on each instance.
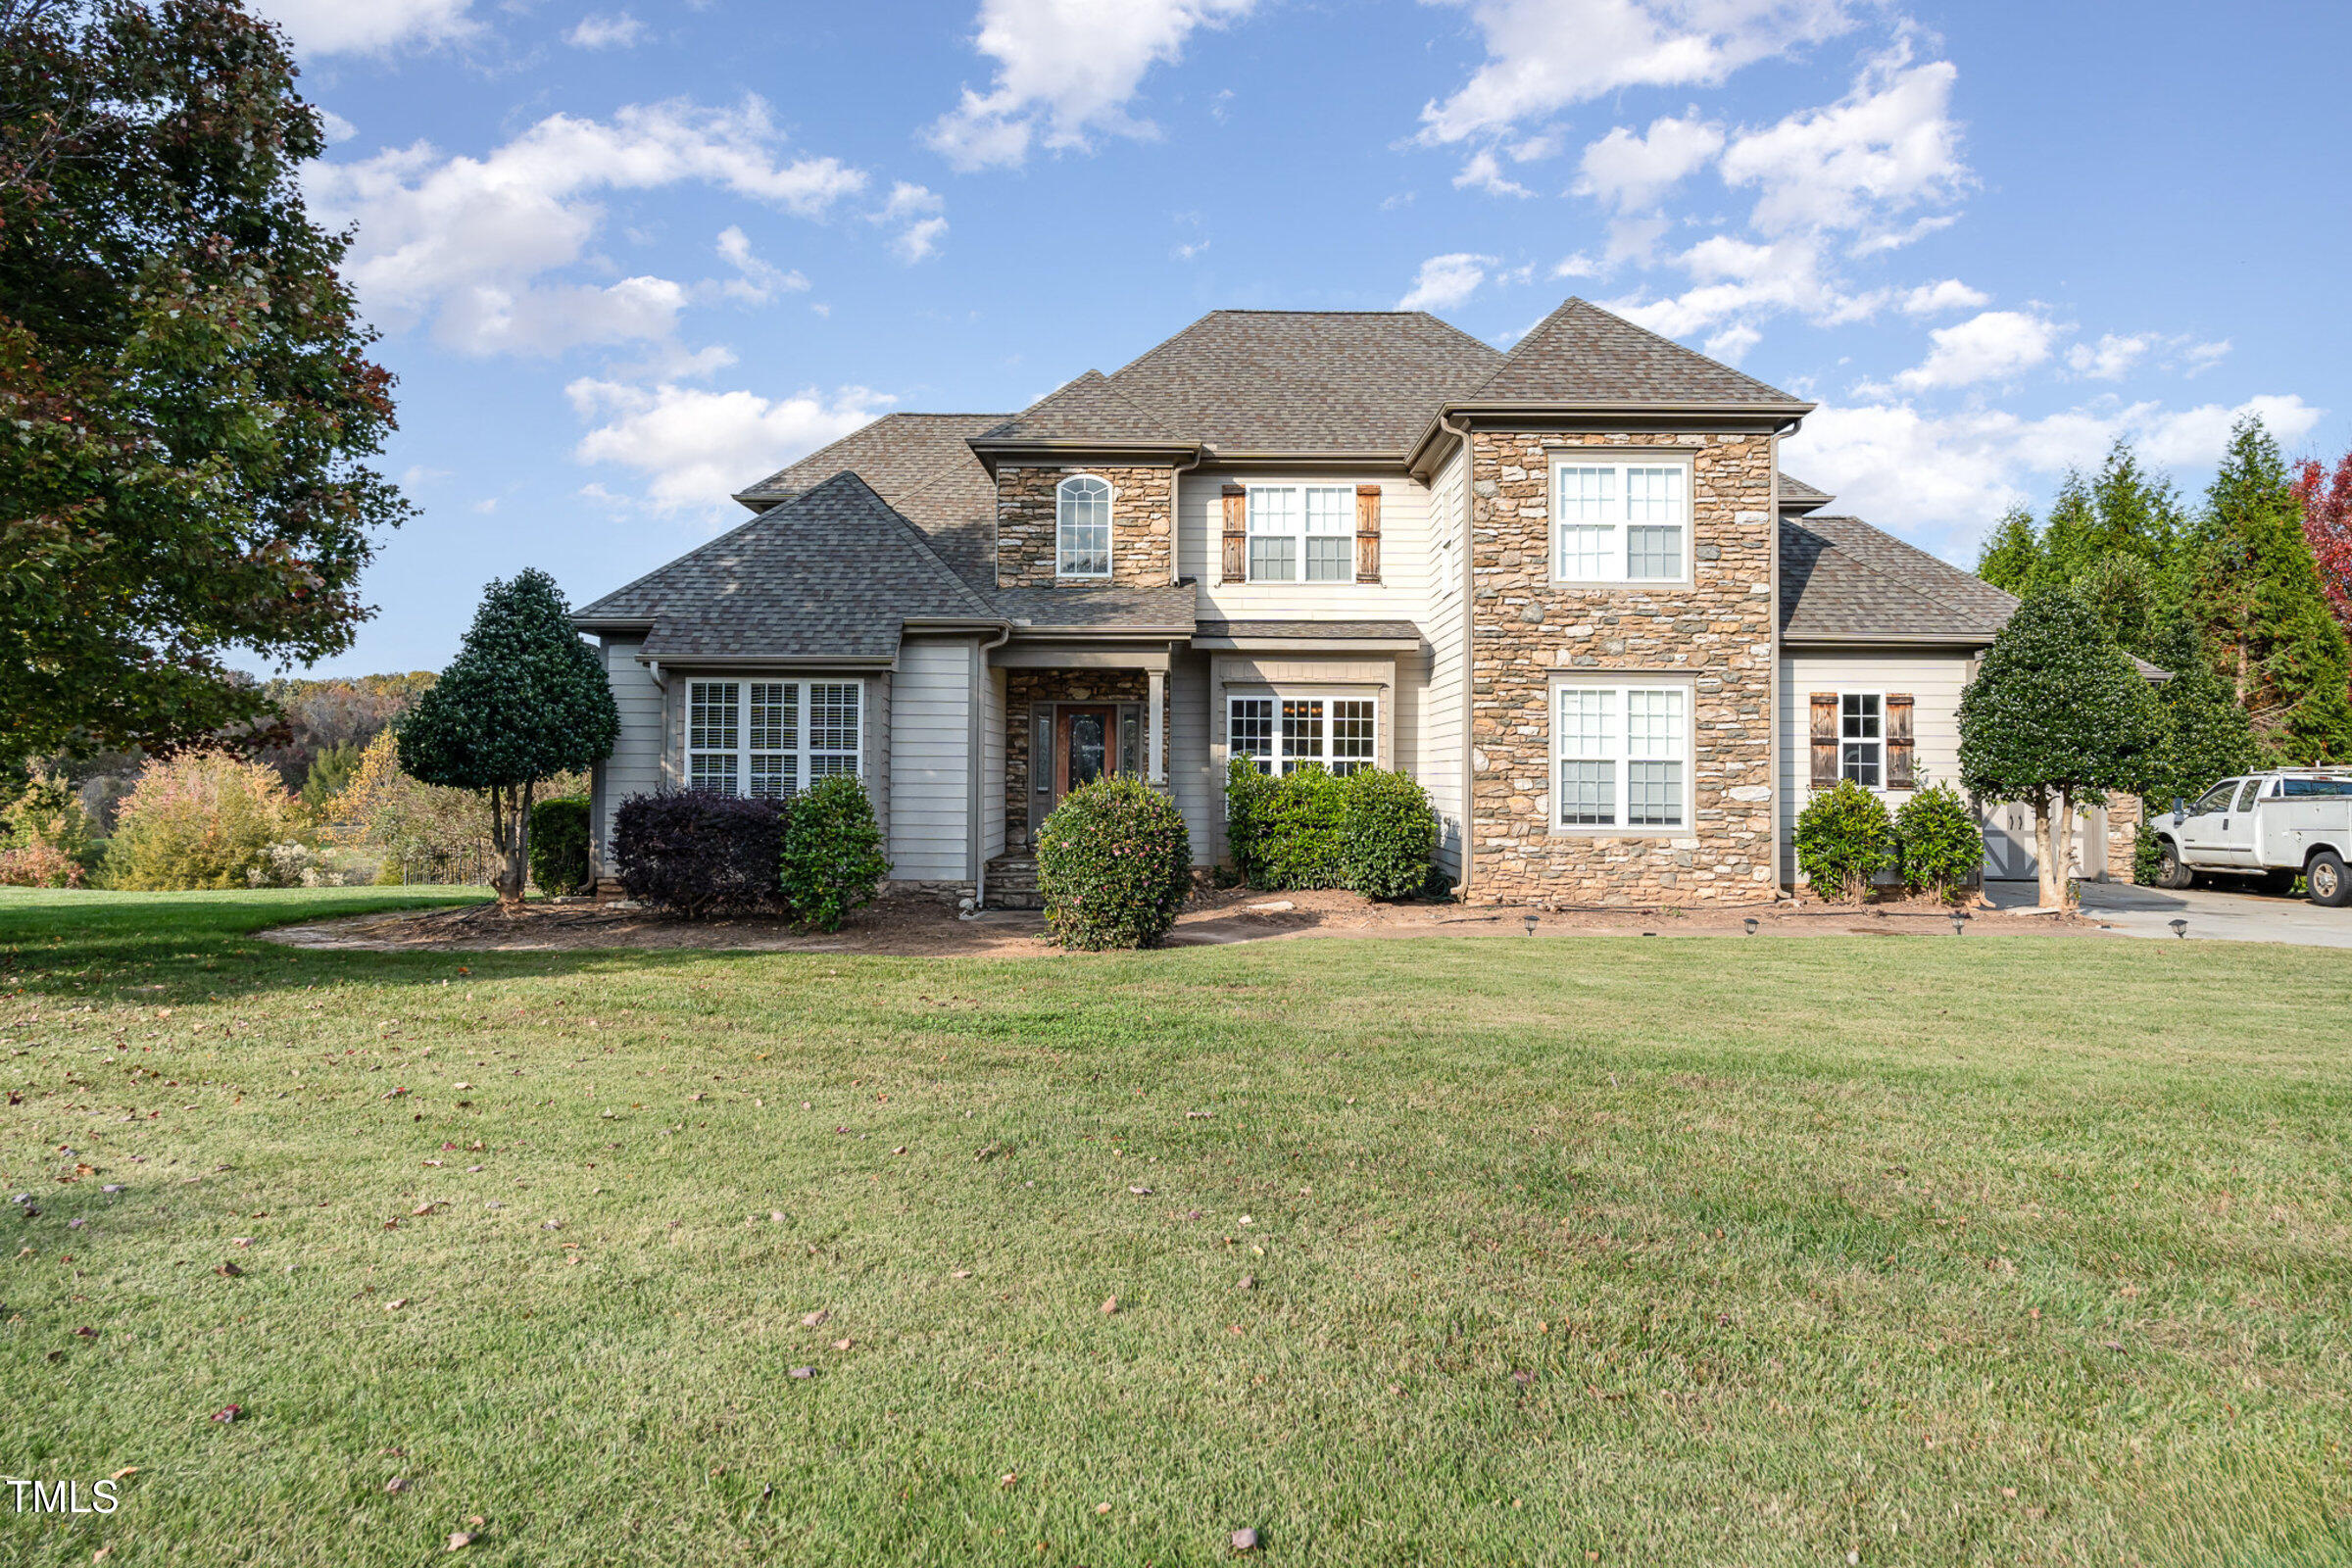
(1065, 70)
(695, 448)
(1484, 172)
(466, 242)
(1546, 54)
(918, 211)
(1887, 146)
(335, 127)
(2202, 357)
(1982, 348)
(1950, 294)
(605, 30)
(757, 281)
(2108, 359)
(1741, 279)
(378, 26)
(1446, 281)
(1628, 170)
(1730, 344)
(1945, 480)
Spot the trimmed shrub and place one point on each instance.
(1248, 796)
(1305, 816)
(697, 854)
(39, 866)
(1388, 835)
(200, 820)
(832, 858)
(559, 844)
(1938, 838)
(2147, 855)
(1845, 839)
(1114, 862)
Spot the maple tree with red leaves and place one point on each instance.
(2326, 501)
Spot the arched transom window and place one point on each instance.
(1082, 527)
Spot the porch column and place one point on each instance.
(1156, 767)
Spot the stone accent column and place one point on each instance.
(2124, 815)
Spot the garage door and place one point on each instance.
(2009, 854)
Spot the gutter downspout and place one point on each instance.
(1774, 696)
(1469, 627)
(1176, 514)
(975, 742)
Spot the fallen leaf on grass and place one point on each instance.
(421, 1209)
(1141, 1192)
(961, 1274)
(1111, 1306)
(228, 1271)
(126, 1471)
(398, 1484)
(843, 1344)
(229, 1413)
(458, 1541)
(813, 1319)
(396, 1303)
(804, 1371)
(240, 1240)
(86, 1333)
(1008, 1479)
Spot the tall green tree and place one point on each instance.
(524, 700)
(2057, 716)
(186, 384)
(2206, 736)
(2012, 559)
(2258, 598)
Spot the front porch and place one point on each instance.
(1071, 716)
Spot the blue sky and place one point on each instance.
(629, 257)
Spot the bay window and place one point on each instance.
(1620, 520)
(1302, 533)
(1621, 756)
(1282, 734)
(771, 739)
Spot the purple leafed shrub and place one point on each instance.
(698, 854)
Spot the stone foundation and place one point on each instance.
(1716, 633)
(947, 894)
(1143, 526)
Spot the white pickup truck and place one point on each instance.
(2289, 823)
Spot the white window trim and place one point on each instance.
(1111, 531)
(1620, 459)
(1621, 685)
(1880, 788)
(1277, 758)
(1299, 536)
(803, 753)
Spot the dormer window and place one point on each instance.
(1082, 527)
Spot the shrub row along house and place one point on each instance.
(1568, 589)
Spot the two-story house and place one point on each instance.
(1566, 588)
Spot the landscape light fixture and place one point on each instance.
(1530, 918)
(1750, 923)
(1959, 922)
(2180, 927)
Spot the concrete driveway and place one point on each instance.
(2212, 914)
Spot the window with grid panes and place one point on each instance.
(1302, 533)
(1861, 739)
(769, 739)
(1620, 521)
(1622, 756)
(1082, 527)
(1283, 734)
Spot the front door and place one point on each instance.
(1085, 746)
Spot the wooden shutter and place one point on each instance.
(1367, 533)
(1825, 740)
(1899, 743)
(1237, 534)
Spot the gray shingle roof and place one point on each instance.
(1842, 578)
(897, 454)
(1162, 607)
(1303, 381)
(1383, 630)
(1582, 353)
(1088, 408)
(1798, 496)
(835, 573)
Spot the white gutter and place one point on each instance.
(1469, 627)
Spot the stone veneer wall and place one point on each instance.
(1143, 526)
(1719, 631)
(1026, 688)
(2124, 814)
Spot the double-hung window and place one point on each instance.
(1620, 520)
(1082, 527)
(771, 739)
(1862, 739)
(1302, 533)
(1282, 734)
(1623, 757)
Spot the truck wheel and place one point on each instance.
(2169, 872)
(2327, 881)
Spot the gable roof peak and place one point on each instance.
(1583, 354)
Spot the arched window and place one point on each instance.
(1082, 527)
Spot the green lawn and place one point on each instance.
(1565, 1250)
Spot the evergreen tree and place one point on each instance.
(527, 700)
(2012, 557)
(2138, 513)
(2069, 542)
(2057, 716)
(2259, 599)
(2120, 589)
(2206, 735)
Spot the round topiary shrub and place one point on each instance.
(833, 861)
(1845, 839)
(559, 844)
(1114, 862)
(1388, 835)
(1938, 841)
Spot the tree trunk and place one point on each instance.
(510, 834)
(2053, 848)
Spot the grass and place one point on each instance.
(1564, 1250)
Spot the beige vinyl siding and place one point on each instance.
(930, 781)
(991, 760)
(1400, 594)
(1933, 679)
(1192, 777)
(1438, 731)
(635, 766)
